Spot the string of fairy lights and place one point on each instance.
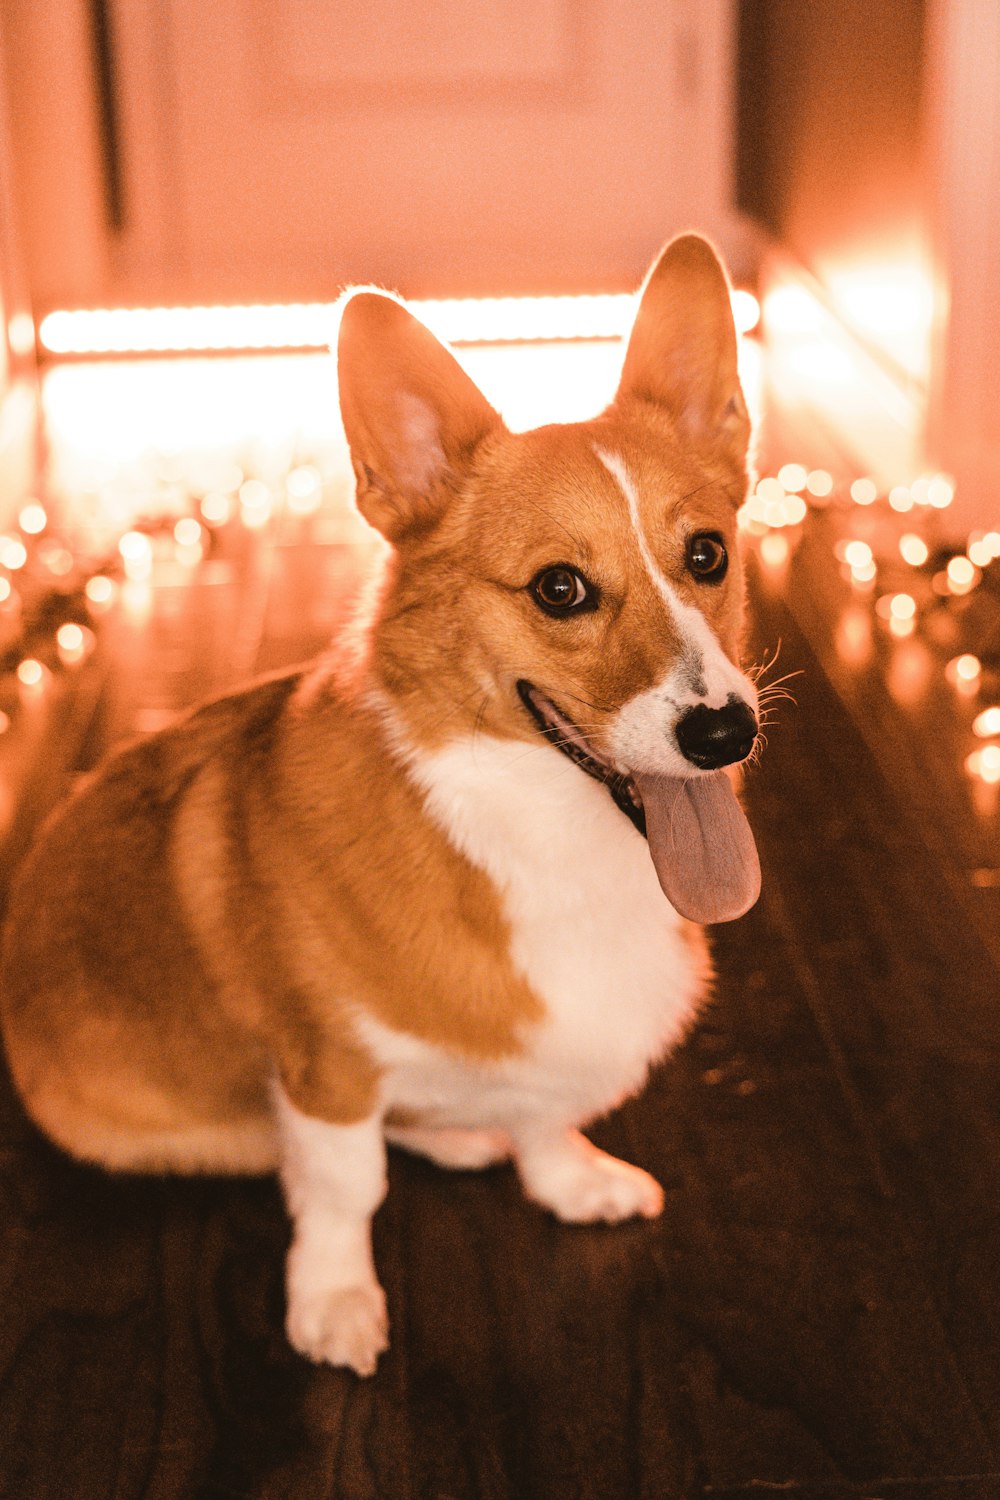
(56, 586)
(900, 562)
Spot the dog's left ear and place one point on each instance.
(682, 349)
(412, 416)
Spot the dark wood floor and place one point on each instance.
(817, 1312)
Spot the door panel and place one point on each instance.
(283, 148)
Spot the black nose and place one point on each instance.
(714, 737)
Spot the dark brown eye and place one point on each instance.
(707, 557)
(560, 591)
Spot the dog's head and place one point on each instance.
(580, 582)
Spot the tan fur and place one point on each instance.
(210, 912)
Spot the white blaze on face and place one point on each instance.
(642, 734)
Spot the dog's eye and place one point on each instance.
(560, 591)
(707, 557)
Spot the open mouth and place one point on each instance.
(561, 732)
(699, 840)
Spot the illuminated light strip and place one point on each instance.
(312, 325)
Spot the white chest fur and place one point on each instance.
(590, 930)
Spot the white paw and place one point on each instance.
(583, 1185)
(345, 1325)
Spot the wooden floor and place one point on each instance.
(817, 1314)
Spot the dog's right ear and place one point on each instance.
(412, 416)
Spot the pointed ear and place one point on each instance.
(682, 349)
(412, 416)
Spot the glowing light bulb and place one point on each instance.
(987, 723)
(13, 553)
(864, 491)
(964, 672)
(793, 477)
(303, 489)
(795, 510)
(187, 532)
(216, 508)
(32, 518)
(30, 673)
(73, 643)
(137, 554)
(770, 491)
(985, 764)
(746, 310)
(941, 491)
(902, 607)
(901, 497)
(6, 589)
(858, 555)
(819, 482)
(962, 575)
(913, 549)
(99, 590)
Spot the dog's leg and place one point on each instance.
(334, 1177)
(462, 1150)
(564, 1172)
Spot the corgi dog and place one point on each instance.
(444, 888)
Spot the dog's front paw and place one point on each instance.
(344, 1325)
(583, 1185)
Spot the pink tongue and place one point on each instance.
(701, 845)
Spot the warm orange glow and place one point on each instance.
(187, 532)
(13, 553)
(137, 554)
(6, 589)
(901, 497)
(256, 503)
(898, 607)
(941, 491)
(216, 508)
(4, 722)
(909, 669)
(983, 548)
(891, 302)
(857, 555)
(58, 560)
(21, 333)
(774, 550)
(99, 590)
(864, 491)
(853, 639)
(962, 575)
(985, 764)
(964, 672)
(304, 490)
(987, 723)
(793, 478)
(73, 642)
(913, 549)
(30, 673)
(819, 483)
(32, 519)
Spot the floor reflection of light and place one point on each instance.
(853, 637)
(909, 671)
